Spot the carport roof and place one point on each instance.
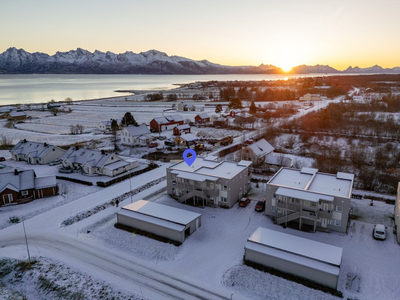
(298, 246)
(164, 212)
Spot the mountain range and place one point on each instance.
(80, 61)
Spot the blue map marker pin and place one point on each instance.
(189, 160)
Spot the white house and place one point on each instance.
(209, 182)
(136, 135)
(308, 197)
(106, 125)
(35, 153)
(257, 152)
(94, 162)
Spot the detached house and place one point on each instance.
(182, 106)
(106, 125)
(24, 186)
(309, 197)
(202, 118)
(164, 123)
(257, 152)
(93, 162)
(35, 153)
(178, 130)
(136, 135)
(209, 182)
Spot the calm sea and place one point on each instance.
(36, 88)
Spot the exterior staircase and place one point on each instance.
(288, 218)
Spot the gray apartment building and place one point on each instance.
(309, 197)
(209, 182)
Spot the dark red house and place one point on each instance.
(202, 118)
(24, 186)
(178, 130)
(164, 123)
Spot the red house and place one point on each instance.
(202, 118)
(24, 186)
(164, 123)
(178, 130)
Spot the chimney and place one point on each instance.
(15, 172)
(24, 140)
(45, 144)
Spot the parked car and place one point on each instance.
(379, 232)
(169, 143)
(260, 206)
(55, 162)
(153, 145)
(162, 137)
(249, 142)
(244, 201)
(2, 159)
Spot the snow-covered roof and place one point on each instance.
(182, 127)
(303, 195)
(261, 148)
(333, 185)
(297, 245)
(93, 158)
(151, 220)
(23, 180)
(294, 258)
(189, 137)
(137, 130)
(45, 182)
(168, 119)
(32, 148)
(216, 169)
(244, 163)
(15, 114)
(108, 123)
(163, 212)
(194, 176)
(204, 115)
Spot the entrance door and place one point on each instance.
(187, 232)
(7, 198)
(323, 222)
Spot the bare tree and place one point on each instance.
(80, 128)
(73, 129)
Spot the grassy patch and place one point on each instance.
(146, 234)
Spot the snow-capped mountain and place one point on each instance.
(82, 61)
(304, 69)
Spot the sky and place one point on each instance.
(284, 33)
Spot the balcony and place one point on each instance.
(309, 215)
(325, 215)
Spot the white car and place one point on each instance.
(379, 232)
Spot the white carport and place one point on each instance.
(305, 258)
(165, 221)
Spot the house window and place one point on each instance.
(24, 193)
(313, 204)
(296, 201)
(339, 208)
(224, 187)
(224, 199)
(273, 209)
(337, 223)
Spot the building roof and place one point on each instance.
(204, 115)
(189, 137)
(203, 166)
(34, 149)
(45, 182)
(297, 245)
(193, 176)
(151, 220)
(15, 114)
(164, 212)
(168, 119)
(182, 127)
(116, 165)
(310, 180)
(261, 148)
(137, 130)
(93, 158)
(304, 195)
(23, 180)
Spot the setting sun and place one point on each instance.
(287, 67)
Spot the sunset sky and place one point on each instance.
(284, 33)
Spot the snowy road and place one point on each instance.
(46, 238)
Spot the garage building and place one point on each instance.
(302, 257)
(165, 221)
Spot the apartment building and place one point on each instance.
(209, 182)
(309, 197)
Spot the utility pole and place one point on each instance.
(26, 240)
(130, 186)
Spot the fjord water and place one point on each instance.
(41, 88)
